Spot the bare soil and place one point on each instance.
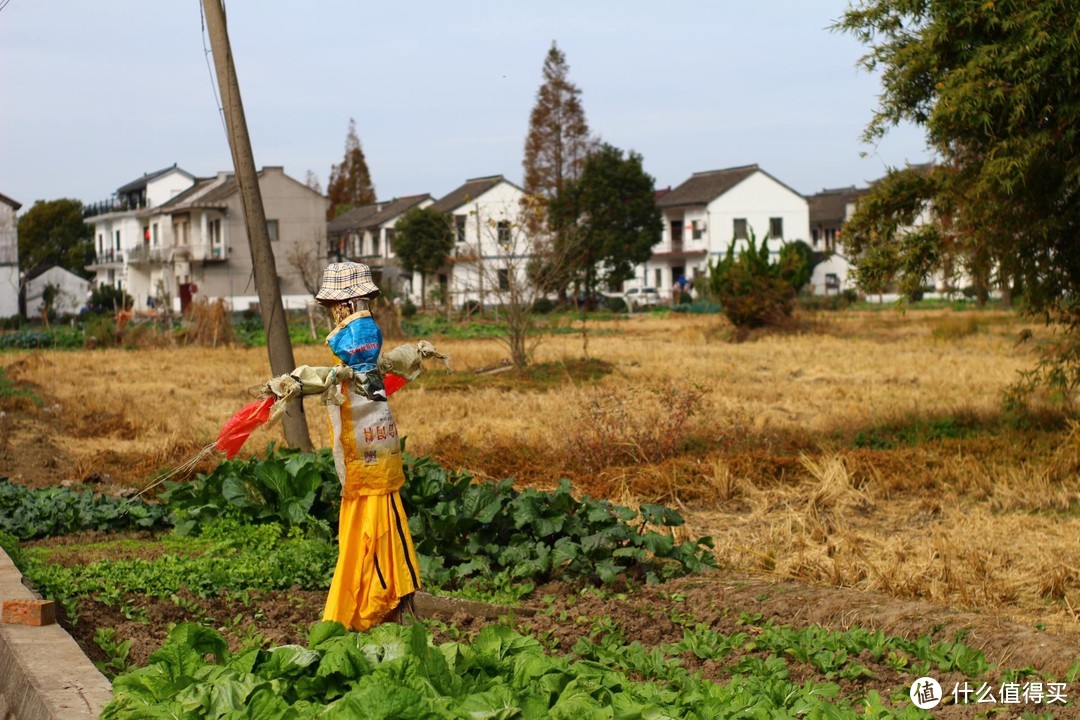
(562, 614)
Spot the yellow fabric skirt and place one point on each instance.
(376, 564)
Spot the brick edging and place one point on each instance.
(44, 674)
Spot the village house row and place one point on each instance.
(171, 237)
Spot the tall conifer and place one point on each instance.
(558, 139)
(350, 182)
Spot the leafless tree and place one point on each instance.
(308, 259)
(500, 272)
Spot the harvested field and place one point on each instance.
(867, 453)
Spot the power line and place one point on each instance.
(206, 56)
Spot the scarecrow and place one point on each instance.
(377, 572)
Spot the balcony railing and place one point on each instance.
(145, 255)
(108, 256)
(201, 252)
(111, 205)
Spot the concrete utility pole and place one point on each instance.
(262, 254)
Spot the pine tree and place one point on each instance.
(558, 139)
(350, 182)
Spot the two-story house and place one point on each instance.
(713, 209)
(127, 225)
(194, 243)
(829, 210)
(210, 253)
(491, 247)
(366, 234)
(9, 257)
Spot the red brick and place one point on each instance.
(29, 612)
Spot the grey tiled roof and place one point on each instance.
(355, 218)
(829, 207)
(471, 190)
(396, 207)
(704, 187)
(147, 177)
(374, 214)
(184, 198)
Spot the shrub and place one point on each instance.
(754, 291)
(616, 304)
(544, 305)
(109, 299)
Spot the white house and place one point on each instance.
(129, 222)
(829, 210)
(706, 213)
(194, 244)
(69, 291)
(9, 257)
(491, 248)
(366, 234)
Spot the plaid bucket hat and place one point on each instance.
(345, 281)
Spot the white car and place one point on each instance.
(643, 297)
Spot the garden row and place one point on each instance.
(267, 524)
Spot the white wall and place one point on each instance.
(165, 188)
(9, 290)
(9, 261)
(757, 199)
(835, 264)
(72, 297)
(468, 277)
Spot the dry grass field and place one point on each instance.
(868, 452)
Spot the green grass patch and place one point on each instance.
(918, 431)
(17, 391)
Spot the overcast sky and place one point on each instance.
(94, 94)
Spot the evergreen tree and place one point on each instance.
(350, 182)
(606, 221)
(423, 241)
(52, 232)
(558, 140)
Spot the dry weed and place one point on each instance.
(987, 521)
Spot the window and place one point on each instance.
(375, 245)
(154, 235)
(776, 228)
(814, 237)
(503, 231)
(659, 278)
(832, 281)
(117, 236)
(504, 278)
(459, 227)
(740, 228)
(271, 229)
(697, 229)
(215, 238)
(389, 234)
(676, 233)
(101, 244)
